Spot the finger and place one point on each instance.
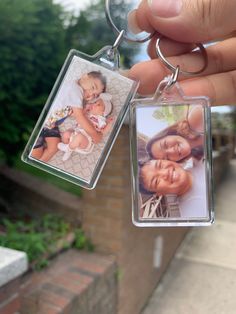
(149, 74)
(168, 47)
(221, 59)
(220, 88)
(187, 21)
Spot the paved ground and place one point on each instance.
(202, 277)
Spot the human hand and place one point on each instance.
(184, 130)
(186, 22)
(108, 127)
(97, 137)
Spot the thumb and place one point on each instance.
(187, 20)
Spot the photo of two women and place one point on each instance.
(171, 162)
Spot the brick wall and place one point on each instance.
(75, 282)
(107, 221)
(10, 297)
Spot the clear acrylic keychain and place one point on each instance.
(82, 116)
(171, 155)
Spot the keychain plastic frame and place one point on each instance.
(107, 59)
(169, 96)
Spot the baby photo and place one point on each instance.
(81, 118)
(171, 162)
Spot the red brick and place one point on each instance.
(89, 266)
(75, 288)
(47, 309)
(53, 299)
(78, 278)
(9, 289)
(35, 303)
(10, 307)
(25, 281)
(93, 265)
(58, 290)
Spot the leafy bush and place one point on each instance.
(32, 49)
(82, 242)
(38, 238)
(36, 36)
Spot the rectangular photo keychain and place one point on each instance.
(82, 117)
(171, 159)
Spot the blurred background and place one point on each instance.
(43, 215)
(36, 37)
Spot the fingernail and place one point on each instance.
(132, 23)
(165, 8)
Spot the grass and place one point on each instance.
(62, 184)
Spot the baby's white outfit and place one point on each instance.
(99, 123)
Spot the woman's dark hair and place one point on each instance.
(98, 75)
(141, 164)
(196, 152)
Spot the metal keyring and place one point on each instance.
(173, 68)
(113, 26)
